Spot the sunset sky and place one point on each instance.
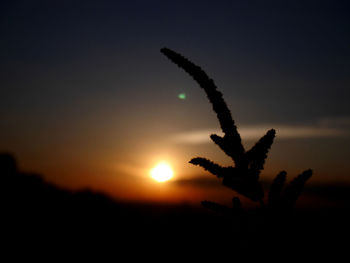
(88, 100)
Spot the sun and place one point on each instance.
(162, 172)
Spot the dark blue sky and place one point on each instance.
(86, 78)
(281, 50)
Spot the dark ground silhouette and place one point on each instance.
(36, 210)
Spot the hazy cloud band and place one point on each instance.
(254, 132)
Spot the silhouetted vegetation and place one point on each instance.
(244, 176)
(274, 226)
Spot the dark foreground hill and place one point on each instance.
(35, 213)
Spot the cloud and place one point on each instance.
(201, 182)
(325, 128)
(335, 122)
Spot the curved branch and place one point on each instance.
(215, 97)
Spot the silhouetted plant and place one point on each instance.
(276, 189)
(243, 177)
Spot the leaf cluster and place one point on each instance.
(243, 175)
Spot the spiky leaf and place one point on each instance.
(294, 189)
(257, 154)
(227, 144)
(276, 189)
(209, 166)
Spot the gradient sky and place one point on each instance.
(88, 100)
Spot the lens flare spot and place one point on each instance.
(182, 96)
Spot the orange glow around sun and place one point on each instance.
(162, 172)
